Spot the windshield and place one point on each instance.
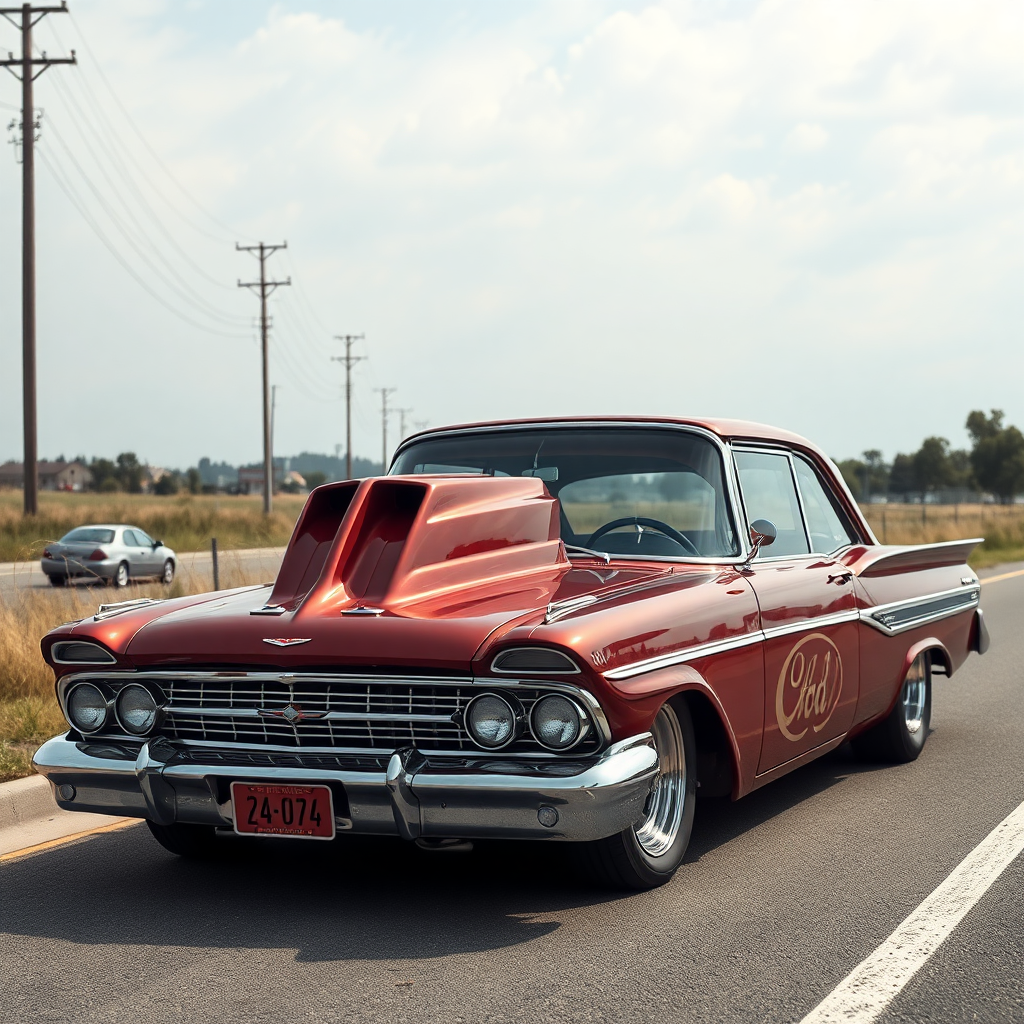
(88, 535)
(638, 491)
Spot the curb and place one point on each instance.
(24, 801)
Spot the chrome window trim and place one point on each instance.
(109, 658)
(725, 452)
(874, 616)
(840, 514)
(767, 449)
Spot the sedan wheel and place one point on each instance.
(167, 576)
(899, 738)
(121, 576)
(648, 854)
(57, 580)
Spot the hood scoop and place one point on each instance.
(383, 544)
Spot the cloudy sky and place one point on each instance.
(807, 213)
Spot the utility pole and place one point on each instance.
(29, 124)
(273, 418)
(264, 289)
(402, 413)
(384, 392)
(349, 360)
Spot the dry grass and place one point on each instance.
(183, 522)
(29, 713)
(1002, 526)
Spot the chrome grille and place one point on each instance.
(348, 713)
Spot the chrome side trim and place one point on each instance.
(899, 616)
(820, 622)
(706, 650)
(681, 657)
(559, 609)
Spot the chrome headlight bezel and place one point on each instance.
(154, 695)
(105, 696)
(583, 728)
(517, 715)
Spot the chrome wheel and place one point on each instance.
(168, 573)
(121, 577)
(658, 831)
(915, 697)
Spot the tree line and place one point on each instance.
(994, 464)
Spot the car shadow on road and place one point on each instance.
(358, 898)
(719, 821)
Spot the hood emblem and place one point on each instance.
(281, 641)
(292, 713)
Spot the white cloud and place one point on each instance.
(555, 209)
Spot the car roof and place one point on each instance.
(727, 429)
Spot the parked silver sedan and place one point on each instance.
(112, 553)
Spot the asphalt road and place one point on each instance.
(782, 896)
(193, 566)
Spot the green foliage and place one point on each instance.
(997, 457)
(129, 472)
(902, 480)
(169, 483)
(314, 478)
(931, 465)
(194, 480)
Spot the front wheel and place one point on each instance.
(899, 737)
(648, 854)
(167, 576)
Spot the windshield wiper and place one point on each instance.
(603, 555)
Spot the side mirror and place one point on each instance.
(762, 535)
(160, 543)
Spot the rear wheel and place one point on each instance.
(648, 854)
(184, 840)
(167, 576)
(121, 575)
(58, 581)
(899, 738)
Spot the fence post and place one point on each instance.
(883, 525)
(924, 511)
(216, 568)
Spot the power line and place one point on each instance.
(183, 290)
(266, 289)
(152, 152)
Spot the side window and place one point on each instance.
(770, 493)
(129, 540)
(144, 539)
(828, 531)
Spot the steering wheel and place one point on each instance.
(652, 524)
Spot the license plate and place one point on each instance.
(300, 812)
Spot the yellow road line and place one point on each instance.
(1005, 576)
(52, 843)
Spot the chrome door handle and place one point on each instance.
(840, 578)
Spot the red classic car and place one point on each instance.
(564, 629)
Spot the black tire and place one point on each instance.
(167, 576)
(58, 581)
(645, 856)
(194, 841)
(120, 578)
(900, 737)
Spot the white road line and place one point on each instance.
(865, 993)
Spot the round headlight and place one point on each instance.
(136, 709)
(491, 721)
(87, 708)
(557, 722)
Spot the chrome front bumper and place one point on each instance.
(415, 797)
